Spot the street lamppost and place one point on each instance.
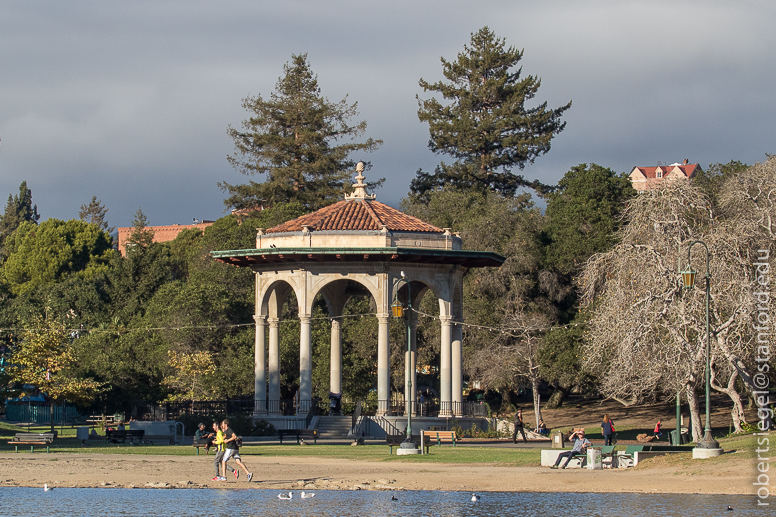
(688, 278)
(398, 311)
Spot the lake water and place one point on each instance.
(104, 502)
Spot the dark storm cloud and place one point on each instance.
(130, 101)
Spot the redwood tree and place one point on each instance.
(299, 140)
(483, 121)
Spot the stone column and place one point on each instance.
(457, 369)
(411, 372)
(408, 385)
(383, 365)
(260, 367)
(335, 374)
(445, 386)
(274, 366)
(305, 366)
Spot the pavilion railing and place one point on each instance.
(284, 407)
(432, 408)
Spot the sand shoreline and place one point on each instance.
(309, 473)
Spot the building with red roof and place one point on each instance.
(648, 178)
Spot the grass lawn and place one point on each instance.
(739, 447)
(445, 454)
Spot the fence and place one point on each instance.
(431, 407)
(175, 410)
(39, 412)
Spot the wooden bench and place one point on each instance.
(300, 434)
(440, 436)
(395, 440)
(32, 439)
(203, 442)
(121, 436)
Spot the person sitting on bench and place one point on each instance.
(202, 435)
(580, 447)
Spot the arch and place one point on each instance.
(271, 297)
(336, 291)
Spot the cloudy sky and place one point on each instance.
(130, 101)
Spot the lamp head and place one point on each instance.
(397, 309)
(688, 277)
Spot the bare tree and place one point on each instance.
(748, 200)
(511, 357)
(748, 203)
(646, 337)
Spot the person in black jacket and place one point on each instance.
(519, 426)
(232, 443)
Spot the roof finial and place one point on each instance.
(359, 191)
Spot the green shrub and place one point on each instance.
(455, 426)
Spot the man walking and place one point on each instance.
(519, 426)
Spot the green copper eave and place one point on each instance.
(253, 256)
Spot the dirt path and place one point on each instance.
(731, 476)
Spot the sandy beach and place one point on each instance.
(657, 475)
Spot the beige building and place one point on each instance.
(648, 178)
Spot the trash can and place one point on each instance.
(82, 433)
(683, 439)
(594, 459)
(557, 440)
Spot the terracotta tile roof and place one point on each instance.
(356, 214)
(651, 172)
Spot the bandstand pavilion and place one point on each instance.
(357, 246)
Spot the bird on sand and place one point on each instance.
(475, 498)
(307, 495)
(286, 497)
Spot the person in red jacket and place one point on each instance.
(658, 433)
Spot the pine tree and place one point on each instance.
(292, 137)
(140, 236)
(95, 213)
(485, 124)
(19, 208)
